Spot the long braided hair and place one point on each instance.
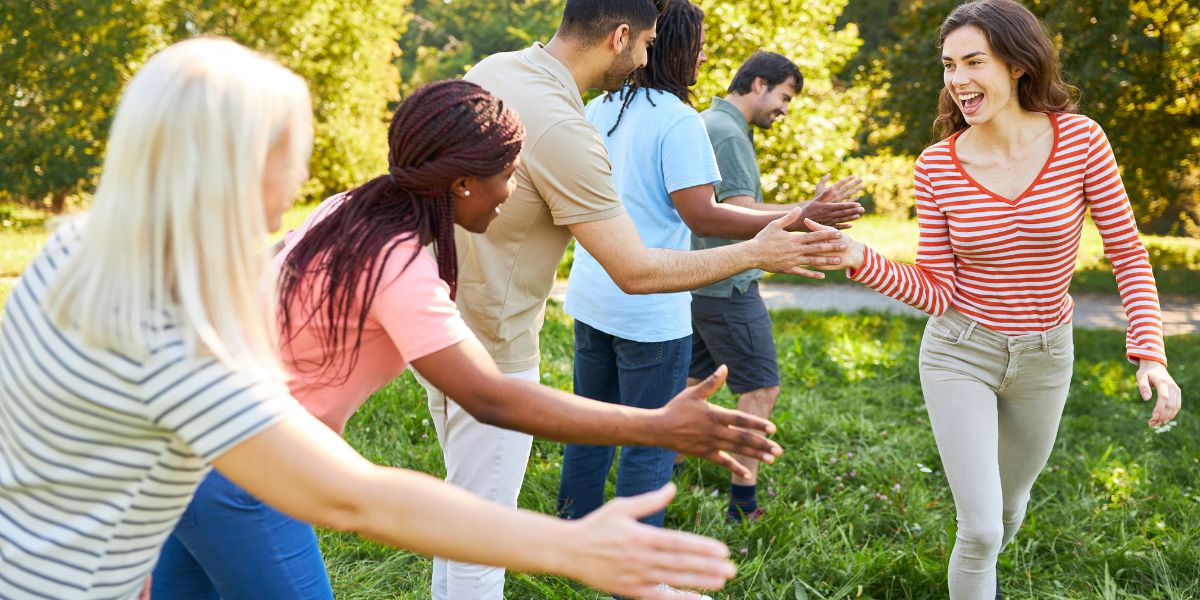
(443, 131)
(671, 62)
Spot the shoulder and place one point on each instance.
(936, 154)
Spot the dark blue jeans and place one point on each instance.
(620, 371)
(231, 546)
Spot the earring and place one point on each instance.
(466, 193)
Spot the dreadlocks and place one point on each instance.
(671, 62)
(444, 131)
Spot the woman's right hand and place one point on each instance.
(611, 551)
(851, 257)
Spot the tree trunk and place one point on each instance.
(58, 201)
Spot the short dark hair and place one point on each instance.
(590, 20)
(773, 67)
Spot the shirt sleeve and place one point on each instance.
(687, 155)
(214, 408)
(1105, 195)
(413, 306)
(739, 172)
(928, 285)
(569, 167)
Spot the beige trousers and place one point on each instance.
(994, 404)
(487, 461)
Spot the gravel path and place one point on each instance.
(1091, 310)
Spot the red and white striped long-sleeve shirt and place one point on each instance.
(1008, 263)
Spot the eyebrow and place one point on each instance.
(966, 56)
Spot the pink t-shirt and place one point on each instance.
(412, 316)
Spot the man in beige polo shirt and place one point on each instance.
(564, 188)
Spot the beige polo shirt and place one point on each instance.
(505, 275)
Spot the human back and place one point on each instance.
(133, 356)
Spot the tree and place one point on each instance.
(62, 65)
(819, 132)
(65, 61)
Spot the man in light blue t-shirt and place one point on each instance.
(635, 350)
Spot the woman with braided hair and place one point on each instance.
(360, 297)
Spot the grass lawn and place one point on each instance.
(858, 507)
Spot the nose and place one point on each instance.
(959, 78)
(703, 56)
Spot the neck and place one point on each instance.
(744, 103)
(1009, 132)
(578, 61)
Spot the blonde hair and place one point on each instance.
(177, 229)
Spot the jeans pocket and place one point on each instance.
(942, 332)
(638, 354)
(1061, 348)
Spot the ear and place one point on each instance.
(759, 86)
(460, 187)
(619, 38)
(1016, 72)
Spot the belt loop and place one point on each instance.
(966, 334)
(1045, 342)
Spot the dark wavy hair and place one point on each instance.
(443, 131)
(1019, 39)
(671, 61)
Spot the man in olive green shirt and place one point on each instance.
(730, 322)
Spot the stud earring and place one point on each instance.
(466, 193)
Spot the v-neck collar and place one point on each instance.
(1036, 180)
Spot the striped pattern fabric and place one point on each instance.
(1008, 263)
(100, 451)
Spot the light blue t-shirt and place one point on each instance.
(658, 149)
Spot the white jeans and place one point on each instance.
(994, 404)
(488, 462)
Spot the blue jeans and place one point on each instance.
(230, 545)
(620, 371)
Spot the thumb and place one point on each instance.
(787, 219)
(1144, 387)
(643, 505)
(712, 383)
(815, 226)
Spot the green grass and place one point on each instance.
(858, 507)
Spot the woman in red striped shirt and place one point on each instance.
(1001, 203)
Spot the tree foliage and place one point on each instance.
(1137, 63)
(449, 36)
(64, 62)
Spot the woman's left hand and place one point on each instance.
(1152, 375)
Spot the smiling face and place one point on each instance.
(771, 103)
(477, 200)
(980, 83)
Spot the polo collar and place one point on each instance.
(537, 56)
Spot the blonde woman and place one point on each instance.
(137, 350)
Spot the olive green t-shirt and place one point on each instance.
(733, 143)
(565, 177)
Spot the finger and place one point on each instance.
(643, 505)
(724, 460)
(787, 219)
(709, 385)
(1144, 385)
(682, 542)
(692, 580)
(744, 443)
(815, 228)
(742, 420)
(823, 234)
(802, 272)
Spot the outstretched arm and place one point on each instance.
(306, 470)
(636, 269)
(688, 424)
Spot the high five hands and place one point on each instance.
(835, 205)
(690, 425)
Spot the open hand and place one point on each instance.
(1153, 376)
(693, 426)
(849, 257)
(618, 554)
(835, 205)
(782, 251)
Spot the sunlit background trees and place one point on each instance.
(871, 69)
